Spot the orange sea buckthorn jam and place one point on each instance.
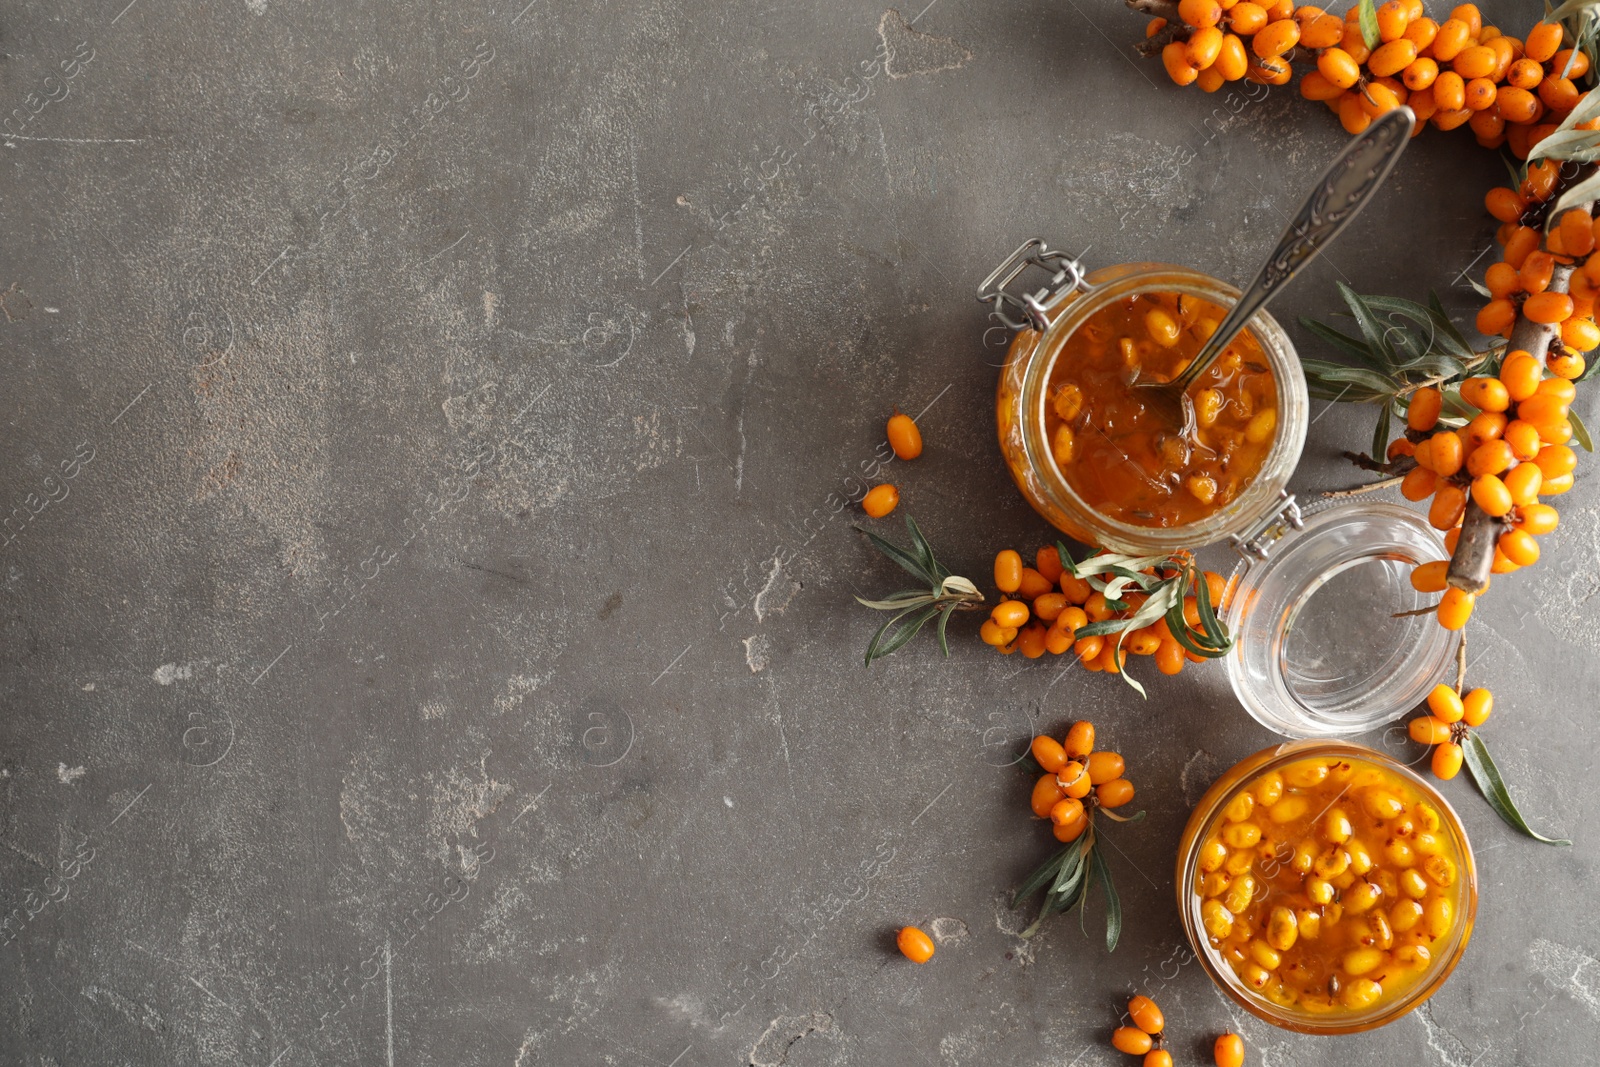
(1117, 454)
(1330, 885)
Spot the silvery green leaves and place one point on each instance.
(1493, 787)
(1177, 577)
(1065, 877)
(941, 594)
(1579, 146)
(1399, 346)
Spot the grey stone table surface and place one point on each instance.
(428, 634)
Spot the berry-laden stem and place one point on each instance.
(1474, 555)
(1161, 9)
(1473, 559)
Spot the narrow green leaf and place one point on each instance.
(1369, 26)
(1336, 375)
(1114, 902)
(907, 562)
(1128, 677)
(1514, 168)
(1070, 871)
(911, 598)
(1100, 629)
(1380, 434)
(1447, 330)
(1342, 341)
(924, 551)
(1208, 615)
(1371, 328)
(1487, 777)
(944, 621)
(1045, 872)
(1580, 432)
(882, 646)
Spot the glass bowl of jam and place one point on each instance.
(1325, 887)
(1085, 449)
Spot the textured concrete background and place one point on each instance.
(432, 639)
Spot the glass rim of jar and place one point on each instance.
(1210, 809)
(1262, 498)
(1268, 596)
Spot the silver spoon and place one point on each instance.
(1343, 190)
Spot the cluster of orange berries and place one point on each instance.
(1521, 283)
(1076, 780)
(1503, 459)
(906, 440)
(1061, 603)
(1445, 726)
(1452, 73)
(1147, 1036)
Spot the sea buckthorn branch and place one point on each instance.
(1459, 72)
(1403, 347)
(942, 595)
(1450, 726)
(1077, 783)
(1167, 592)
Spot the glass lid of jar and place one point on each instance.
(1324, 648)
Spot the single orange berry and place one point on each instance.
(880, 500)
(1146, 1015)
(1131, 1040)
(994, 634)
(1008, 571)
(1455, 607)
(1047, 793)
(1538, 519)
(1445, 703)
(1476, 706)
(904, 437)
(1067, 811)
(1158, 1057)
(1104, 767)
(1485, 394)
(1080, 740)
(1449, 504)
(1548, 308)
(1430, 577)
(1426, 404)
(1074, 780)
(1010, 613)
(1066, 832)
(1030, 640)
(1519, 546)
(1033, 585)
(1520, 373)
(1447, 760)
(1200, 13)
(1047, 561)
(1428, 730)
(1228, 1051)
(1115, 793)
(1556, 460)
(1492, 495)
(915, 945)
(1523, 483)
(1418, 484)
(1543, 41)
(1048, 753)
(1507, 205)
